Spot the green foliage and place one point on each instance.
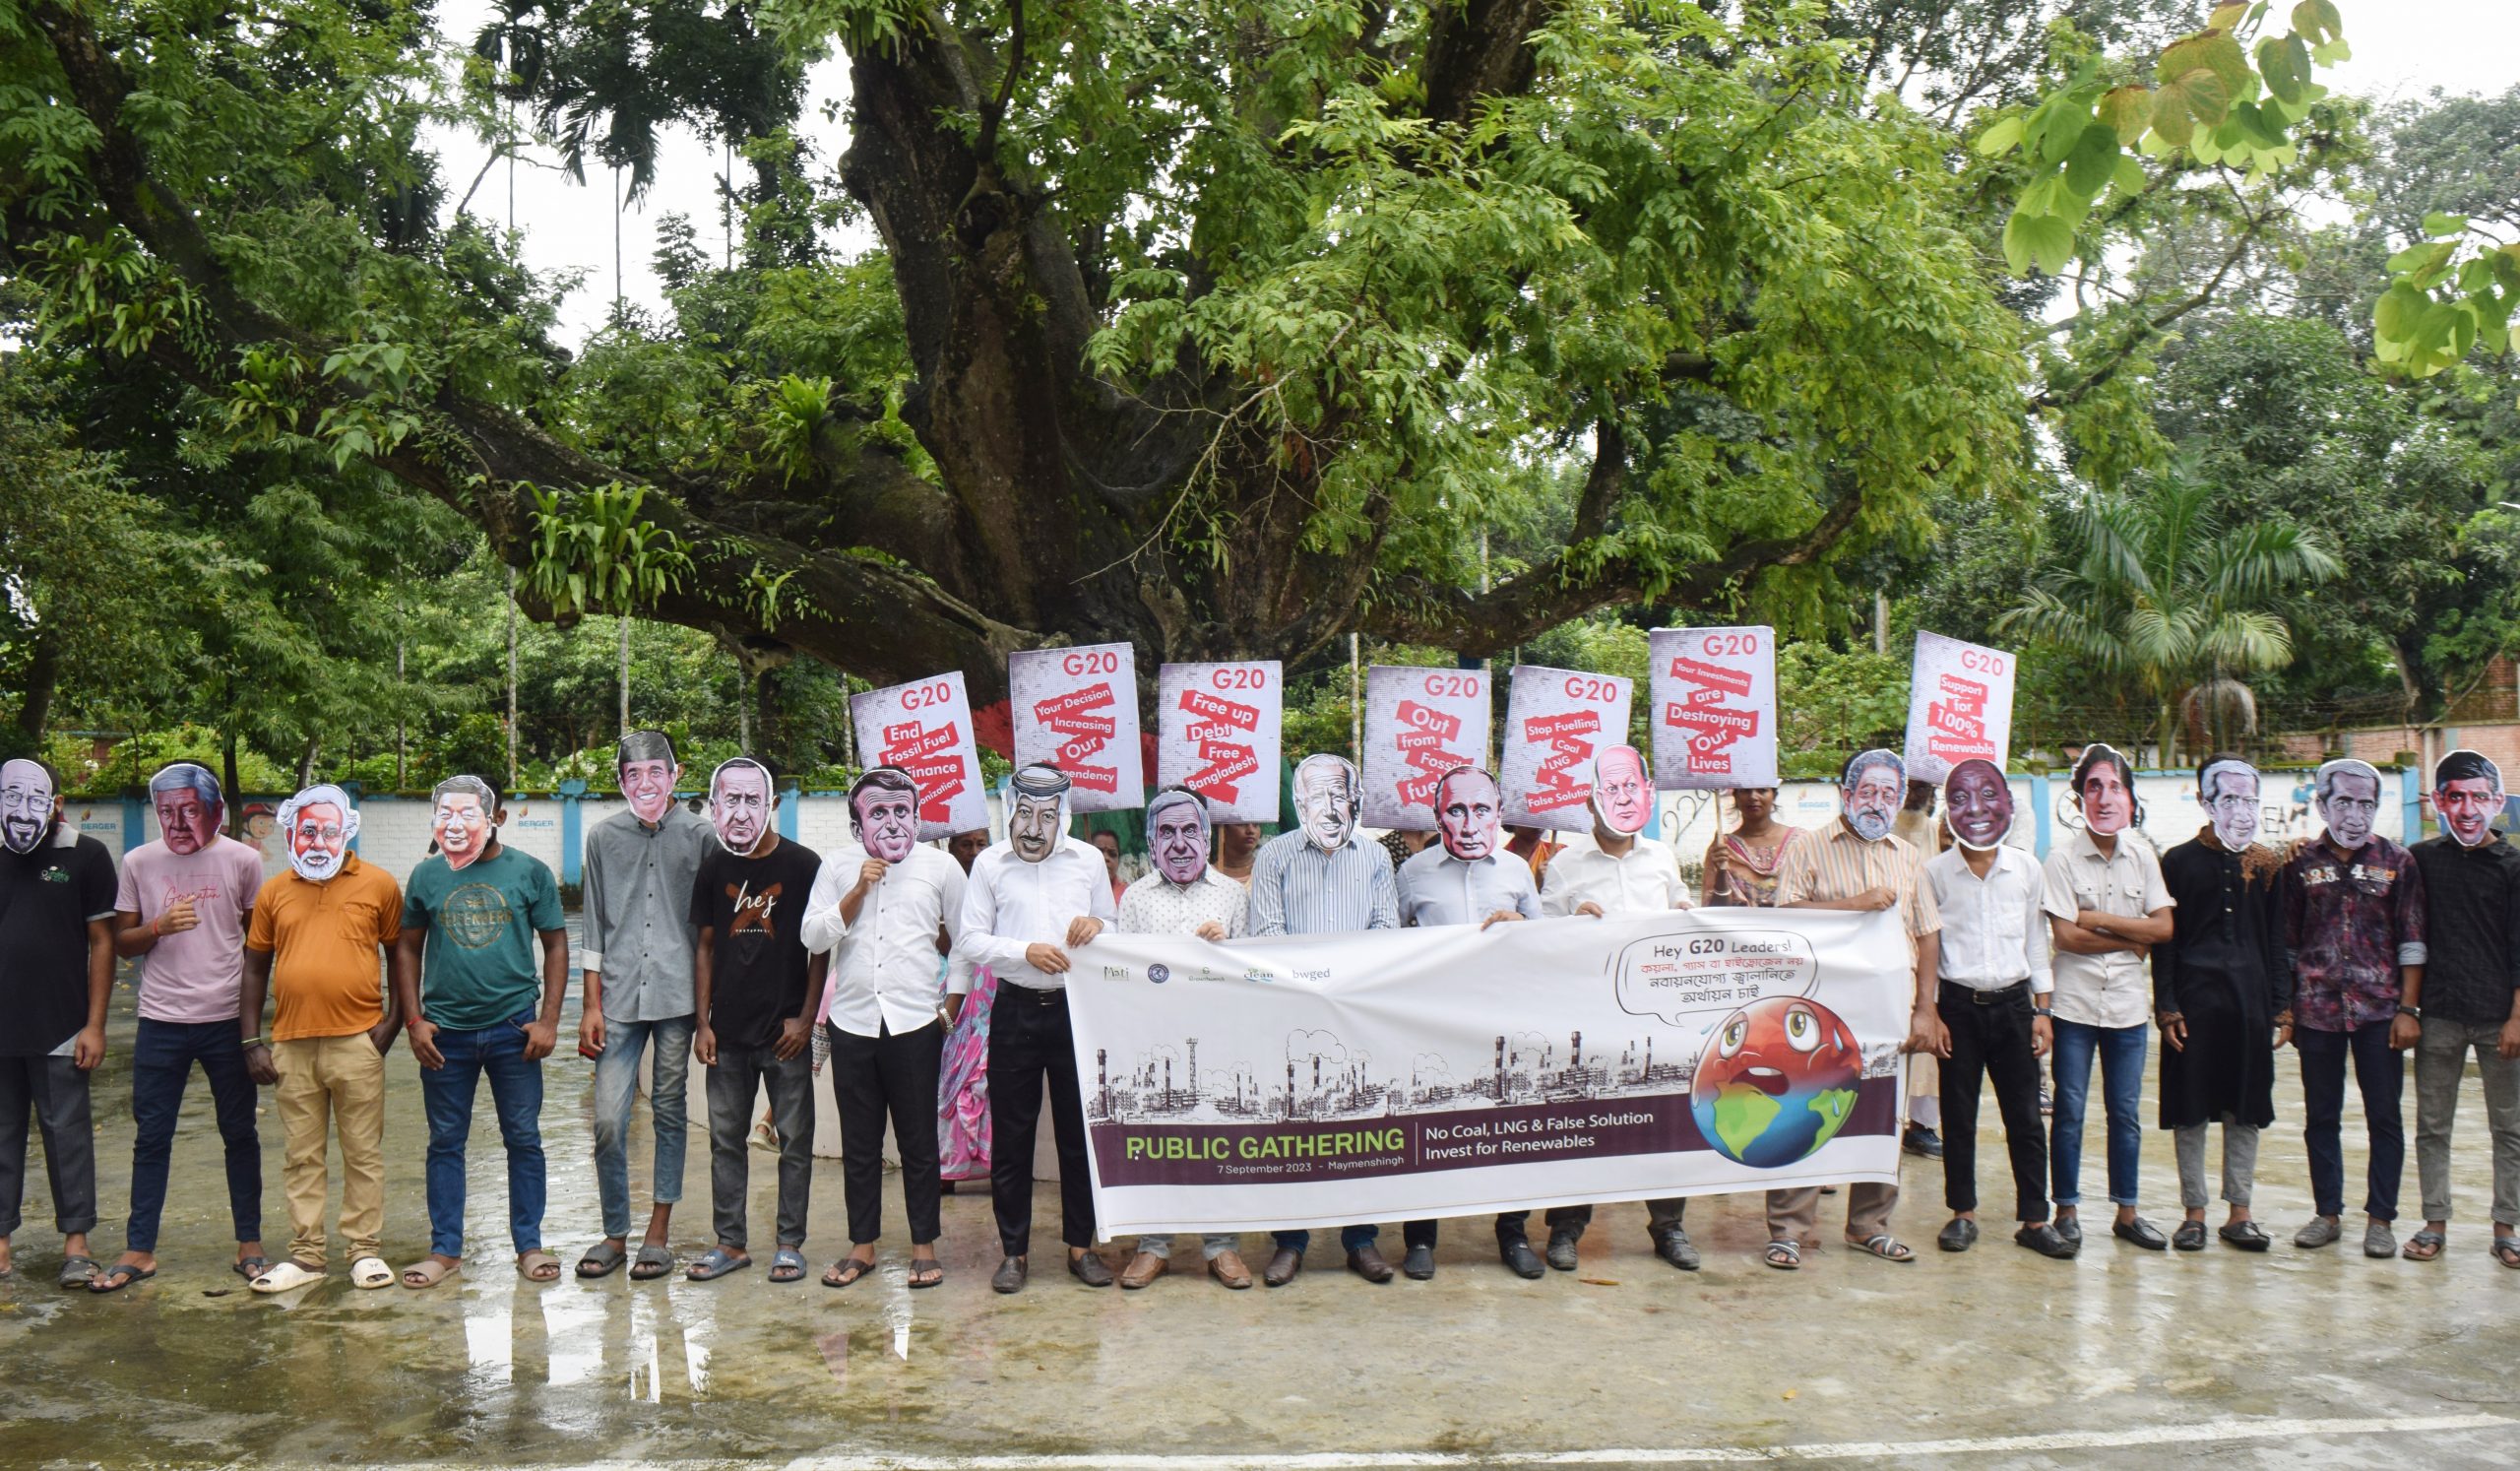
(597, 553)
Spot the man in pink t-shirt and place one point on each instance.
(182, 908)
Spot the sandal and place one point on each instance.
(602, 1259)
(119, 1276)
(1785, 1256)
(2506, 1250)
(285, 1276)
(371, 1272)
(250, 1267)
(714, 1264)
(846, 1271)
(538, 1265)
(1885, 1245)
(2425, 1245)
(786, 1265)
(77, 1271)
(927, 1271)
(428, 1271)
(652, 1262)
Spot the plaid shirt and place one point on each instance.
(2351, 921)
(1834, 864)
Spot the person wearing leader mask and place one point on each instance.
(1622, 874)
(313, 946)
(2222, 994)
(1182, 895)
(882, 909)
(2353, 912)
(1029, 901)
(2463, 1001)
(638, 869)
(181, 912)
(1313, 880)
(56, 974)
(1992, 983)
(1469, 879)
(2106, 906)
(1859, 864)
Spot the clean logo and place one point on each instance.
(1159, 972)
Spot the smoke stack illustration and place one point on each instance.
(1194, 1068)
(1102, 1078)
(1291, 1087)
(1500, 1069)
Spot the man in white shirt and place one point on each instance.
(1624, 873)
(2106, 906)
(882, 904)
(1469, 879)
(1182, 895)
(1993, 982)
(1027, 897)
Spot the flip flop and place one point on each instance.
(786, 1265)
(652, 1262)
(77, 1271)
(847, 1271)
(250, 1267)
(1785, 1256)
(929, 1272)
(531, 1266)
(371, 1272)
(714, 1264)
(119, 1276)
(603, 1260)
(429, 1272)
(2506, 1250)
(1885, 1245)
(285, 1276)
(2425, 1245)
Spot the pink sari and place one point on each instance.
(961, 1089)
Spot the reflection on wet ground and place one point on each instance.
(192, 1368)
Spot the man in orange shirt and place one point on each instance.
(316, 934)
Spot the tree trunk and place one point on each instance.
(230, 785)
(43, 678)
(306, 761)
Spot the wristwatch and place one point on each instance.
(2414, 1011)
(2036, 1010)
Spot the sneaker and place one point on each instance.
(1921, 1141)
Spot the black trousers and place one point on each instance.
(1991, 1037)
(1029, 1046)
(892, 1074)
(1563, 1220)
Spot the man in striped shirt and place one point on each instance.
(1857, 864)
(1319, 881)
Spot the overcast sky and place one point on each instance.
(2401, 49)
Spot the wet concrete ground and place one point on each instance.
(1996, 1357)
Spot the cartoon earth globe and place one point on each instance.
(1777, 1081)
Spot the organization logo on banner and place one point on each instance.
(1077, 709)
(1714, 694)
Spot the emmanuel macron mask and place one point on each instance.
(1326, 790)
(883, 812)
(1177, 834)
(1037, 811)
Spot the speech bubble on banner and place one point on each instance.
(1678, 974)
(1077, 709)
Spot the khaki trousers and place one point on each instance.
(1793, 1213)
(337, 1082)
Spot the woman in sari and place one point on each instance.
(962, 1087)
(1741, 865)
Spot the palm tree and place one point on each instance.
(2154, 586)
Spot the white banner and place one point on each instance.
(1713, 708)
(1406, 1074)
(1217, 732)
(1419, 723)
(1555, 720)
(1077, 709)
(925, 729)
(1959, 706)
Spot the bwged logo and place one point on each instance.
(1159, 972)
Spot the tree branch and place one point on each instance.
(1476, 49)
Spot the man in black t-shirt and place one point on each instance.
(56, 969)
(757, 989)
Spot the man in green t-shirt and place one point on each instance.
(474, 914)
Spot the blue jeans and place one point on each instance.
(2121, 1063)
(515, 1092)
(161, 1063)
(2381, 1074)
(616, 1091)
(1351, 1238)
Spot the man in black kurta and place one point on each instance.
(2222, 994)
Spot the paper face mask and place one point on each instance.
(189, 806)
(465, 819)
(1977, 803)
(1869, 792)
(27, 799)
(649, 771)
(318, 826)
(2348, 799)
(1036, 815)
(2467, 791)
(1468, 804)
(1623, 798)
(2229, 789)
(1326, 788)
(742, 803)
(2104, 785)
(1177, 834)
(883, 812)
